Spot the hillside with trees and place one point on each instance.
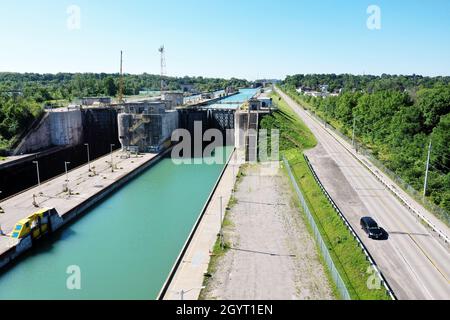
(395, 117)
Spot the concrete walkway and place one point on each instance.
(82, 183)
(272, 254)
(189, 275)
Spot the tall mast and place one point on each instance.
(121, 78)
(162, 51)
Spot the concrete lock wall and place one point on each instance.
(58, 128)
(146, 131)
(38, 138)
(169, 125)
(100, 129)
(124, 123)
(66, 128)
(241, 124)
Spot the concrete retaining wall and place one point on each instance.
(97, 126)
(63, 128)
(38, 138)
(66, 128)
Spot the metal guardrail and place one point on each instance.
(352, 231)
(343, 291)
(438, 212)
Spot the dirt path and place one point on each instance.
(272, 256)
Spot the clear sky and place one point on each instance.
(226, 38)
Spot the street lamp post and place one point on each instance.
(112, 160)
(183, 292)
(67, 174)
(88, 156)
(37, 171)
(221, 224)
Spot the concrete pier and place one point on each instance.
(86, 188)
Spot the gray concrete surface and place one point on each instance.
(273, 256)
(60, 127)
(82, 183)
(414, 262)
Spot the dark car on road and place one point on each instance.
(371, 227)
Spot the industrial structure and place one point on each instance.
(147, 126)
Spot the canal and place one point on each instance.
(235, 101)
(126, 246)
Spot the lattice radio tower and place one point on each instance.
(162, 51)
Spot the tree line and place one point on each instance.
(395, 117)
(23, 96)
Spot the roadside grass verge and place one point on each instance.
(348, 257)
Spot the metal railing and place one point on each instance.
(369, 257)
(337, 279)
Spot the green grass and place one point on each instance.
(348, 257)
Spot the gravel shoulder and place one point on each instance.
(272, 255)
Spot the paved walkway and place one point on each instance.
(272, 255)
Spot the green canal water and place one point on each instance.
(126, 246)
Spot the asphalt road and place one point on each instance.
(415, 263)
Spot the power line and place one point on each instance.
(440, 164)
(440, 145)
(442, 173)
(444, 156)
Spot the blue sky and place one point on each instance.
(226, 38)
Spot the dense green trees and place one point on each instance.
(366, 83)
(16, 113)
(110, 87)
(48, 87)
(395, 117)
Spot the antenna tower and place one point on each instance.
(162, 51)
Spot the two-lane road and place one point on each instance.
(414, 262)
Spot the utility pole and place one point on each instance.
(427, 170)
